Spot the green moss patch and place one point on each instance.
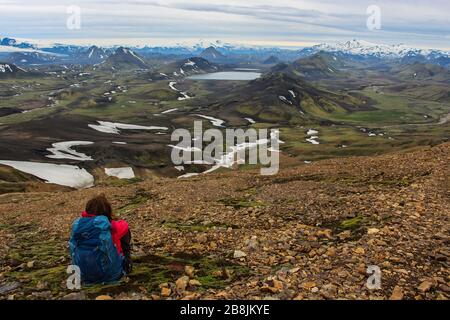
(50, 259)
(116, 182)
(239, 203)
(134, 202)
(352, 223)
(150, 271)
(38, 261)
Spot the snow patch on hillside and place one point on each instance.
(312, 136)
(114, 127)
(215, 121)
(61, 174)
(121, 173)
(63, 150)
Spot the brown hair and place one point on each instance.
(100, 206)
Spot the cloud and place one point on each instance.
(418, 21)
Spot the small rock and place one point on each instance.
(182, 283)
(359, 250)
(9, 287)
(277, 284)
(373, 230)
(308, 285)
(343, 274)
(329, 291)
(41, 285)
(426, 286)
(44, 295)
(218, 273)
(213, 245)
(191, 296)
(194, 283)
(104, 297)
(331, 252)
(444, 288)
(166, 292)
(75, 296)
(202, 238)
(345, 235)
(30, 264)
(239, 254)
(272, 286)
(294, 270)
(327, 233)
(227, 273)
(189, 270)
(222, 295)
(252, 243)
(397, 293)
(271, 298)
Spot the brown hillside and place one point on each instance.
(309, 232)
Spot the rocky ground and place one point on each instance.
(308, 233)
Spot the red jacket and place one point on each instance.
(119, 228)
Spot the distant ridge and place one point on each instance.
(271, 60)
(211, 53)
(125, 58)
(365, 49)
(94, 55)
(9, 69)
(218, 51)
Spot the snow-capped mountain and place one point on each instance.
(362, 48)
(125, 58)
(189, 66)
(9, 69)
(221, 51)
(32, 58)
(63, 49)
(159, 50)
(10, 45)
(93, 55)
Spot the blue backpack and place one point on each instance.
(93, 251)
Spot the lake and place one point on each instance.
(227, 75)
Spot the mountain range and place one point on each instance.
(363, 49)
(356, 49)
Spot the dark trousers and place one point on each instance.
(126, 249)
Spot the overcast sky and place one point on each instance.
(285, 23)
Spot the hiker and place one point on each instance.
(100, 245)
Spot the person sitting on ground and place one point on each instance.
(100, 245)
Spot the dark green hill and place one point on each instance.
(282, 98)
(421, 71)
(319, 66)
